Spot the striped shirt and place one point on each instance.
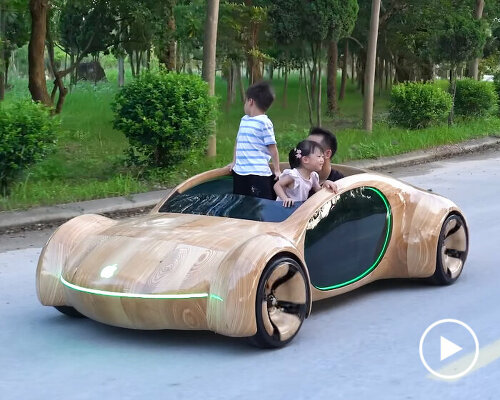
(252, 154)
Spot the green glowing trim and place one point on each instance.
(384, 247)
(139, 295)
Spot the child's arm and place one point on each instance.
(284, 182)
(275, 158)
(231, 164)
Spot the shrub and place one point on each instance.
(165, 117)
(27, 135)
(418, 105)
(474, 98)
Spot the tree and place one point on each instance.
(209, 49)
(459, 38)
(474, 65)
(371, 58)
(16, 34)
(341, 19)
(86, 27)
(37, 84)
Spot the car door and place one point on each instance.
(347, 237)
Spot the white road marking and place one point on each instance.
(487, 355)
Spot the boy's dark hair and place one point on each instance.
(304, 148)
(329, 140)
(262, 93)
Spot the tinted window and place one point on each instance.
(346, 239)
(215, 198)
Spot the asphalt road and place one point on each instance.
(364, 344)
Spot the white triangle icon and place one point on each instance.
(448, 348)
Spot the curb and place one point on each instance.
(42, 217)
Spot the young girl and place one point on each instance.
(294, 184)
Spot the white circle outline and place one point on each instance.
(443, 321)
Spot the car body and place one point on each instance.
(207, 259)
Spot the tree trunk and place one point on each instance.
(331, 84)
(453, 90)
(387, 74)
(171, 50)
(3, 60)
(138, 58)
(7, 66)
(239, 80)
(353, 67)
(121, 71)
(37, 83)
(285, 88)
(229, 86)
(131, 59)
(208, 68)
(309, 102)
(474, 64)
(380, 74)
(371, 58)
(318, 110)
(344, 71)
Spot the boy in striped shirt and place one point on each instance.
(255, 146)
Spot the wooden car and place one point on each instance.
(205, 258)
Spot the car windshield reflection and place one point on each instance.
(228, 205)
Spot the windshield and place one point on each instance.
(228, 205)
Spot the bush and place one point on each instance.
(27, 135)
(418, 105)
(165, 117)
(474, 98)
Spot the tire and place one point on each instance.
(452, 249)
(282, 302)
(70, 311)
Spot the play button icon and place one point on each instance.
(448, 348)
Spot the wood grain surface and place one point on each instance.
(214, 262)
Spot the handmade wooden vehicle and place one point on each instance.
(207, 259)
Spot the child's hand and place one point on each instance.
(230, 166)
(288, 202)
(330, 186)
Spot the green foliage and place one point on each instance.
(474, 98)
(312, 20)
(87, 26)
(459, 38)
(27, 135)
(418, 105)
(165, 117)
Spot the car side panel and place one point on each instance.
(236, 284)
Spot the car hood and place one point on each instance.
(157, 254)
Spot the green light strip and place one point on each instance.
(139, 295)
(389, 220)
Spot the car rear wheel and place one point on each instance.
(453, 246)
(71, 311)
(282, 302)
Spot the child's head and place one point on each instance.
(261, 95)
(307, 154)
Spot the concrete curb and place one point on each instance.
(36, 218)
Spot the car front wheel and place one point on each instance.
(453, 246)
(282, 303)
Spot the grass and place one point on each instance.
(89, 161)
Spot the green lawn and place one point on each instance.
(89, 161)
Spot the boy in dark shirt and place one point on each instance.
(328, 141)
